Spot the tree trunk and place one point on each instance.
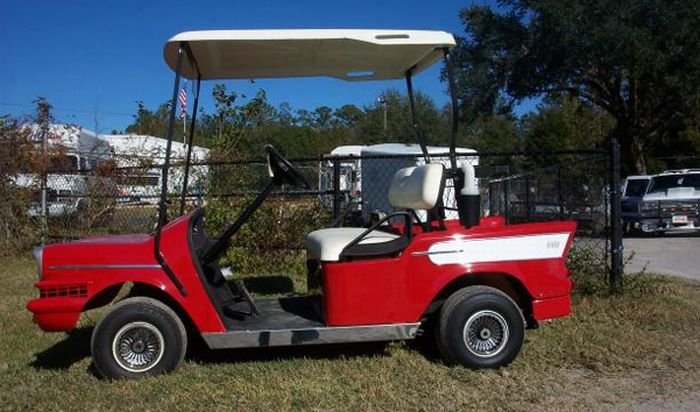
(638, 156)
(632, 149)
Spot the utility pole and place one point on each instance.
(382, 100)
(184, 131)
(616, 247)
(43, 116)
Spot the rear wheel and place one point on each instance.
(139, 337)
(480, 327)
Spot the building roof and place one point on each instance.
(348, 150)
(75, 139)
(128, 148)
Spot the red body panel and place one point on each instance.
(552, 307)
(86, 267)
(361, 292)
(399, 289)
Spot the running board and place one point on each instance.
(311, 336)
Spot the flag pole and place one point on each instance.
(184, 119)
(182, 99)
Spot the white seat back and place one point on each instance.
(417, 187)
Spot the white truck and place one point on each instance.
(72, 153)
(671, 202)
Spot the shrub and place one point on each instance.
(17, 230)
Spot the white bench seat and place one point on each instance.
(327, 244)
(412, 188)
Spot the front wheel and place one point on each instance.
(480, 327)
(138, 337)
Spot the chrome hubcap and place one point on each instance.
(138, 346)
(485, 333)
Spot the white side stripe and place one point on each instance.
(499, 249)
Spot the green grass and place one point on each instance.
(612, 349)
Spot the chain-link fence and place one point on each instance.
(345, 190)
(558, 186)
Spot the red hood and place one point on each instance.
(114, 239)
(107, 250)
(100, 250)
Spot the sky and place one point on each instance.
(93, 60)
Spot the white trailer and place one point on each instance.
(381, 161)
(365, 173)
(140, 159)
(73, 152)
(349, 166)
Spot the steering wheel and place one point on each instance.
(282, 171)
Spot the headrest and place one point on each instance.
(417, 187)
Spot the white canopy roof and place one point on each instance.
(344, 54)
(409, 149)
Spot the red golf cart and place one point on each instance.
(482, 281)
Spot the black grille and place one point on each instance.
(64, 291)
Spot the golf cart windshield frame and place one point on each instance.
(192, 68)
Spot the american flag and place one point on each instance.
(182, 98)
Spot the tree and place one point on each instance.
(639, 60)
(322, 117)
(491, 133)
(232, 122)
(18, 156)
(285, 117)
(347, 115)
(304, 118)
(399, 127)
(564, 123)
(151, 123)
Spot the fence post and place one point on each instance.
(528, 215)
(336, 191)
(560, 189)
(616, 248)
(506, 200)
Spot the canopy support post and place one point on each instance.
(414, 117)
(466, 189)
(455, 107)
(163, 207)
(190, 140)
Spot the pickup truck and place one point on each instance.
(633, 190)
(672, 202)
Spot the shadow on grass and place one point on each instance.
(201, 354)
(426, 343)
(74, 348)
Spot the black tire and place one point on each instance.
(480, 327)
(627, 229)
(138, 337)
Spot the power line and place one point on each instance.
(69, 110)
